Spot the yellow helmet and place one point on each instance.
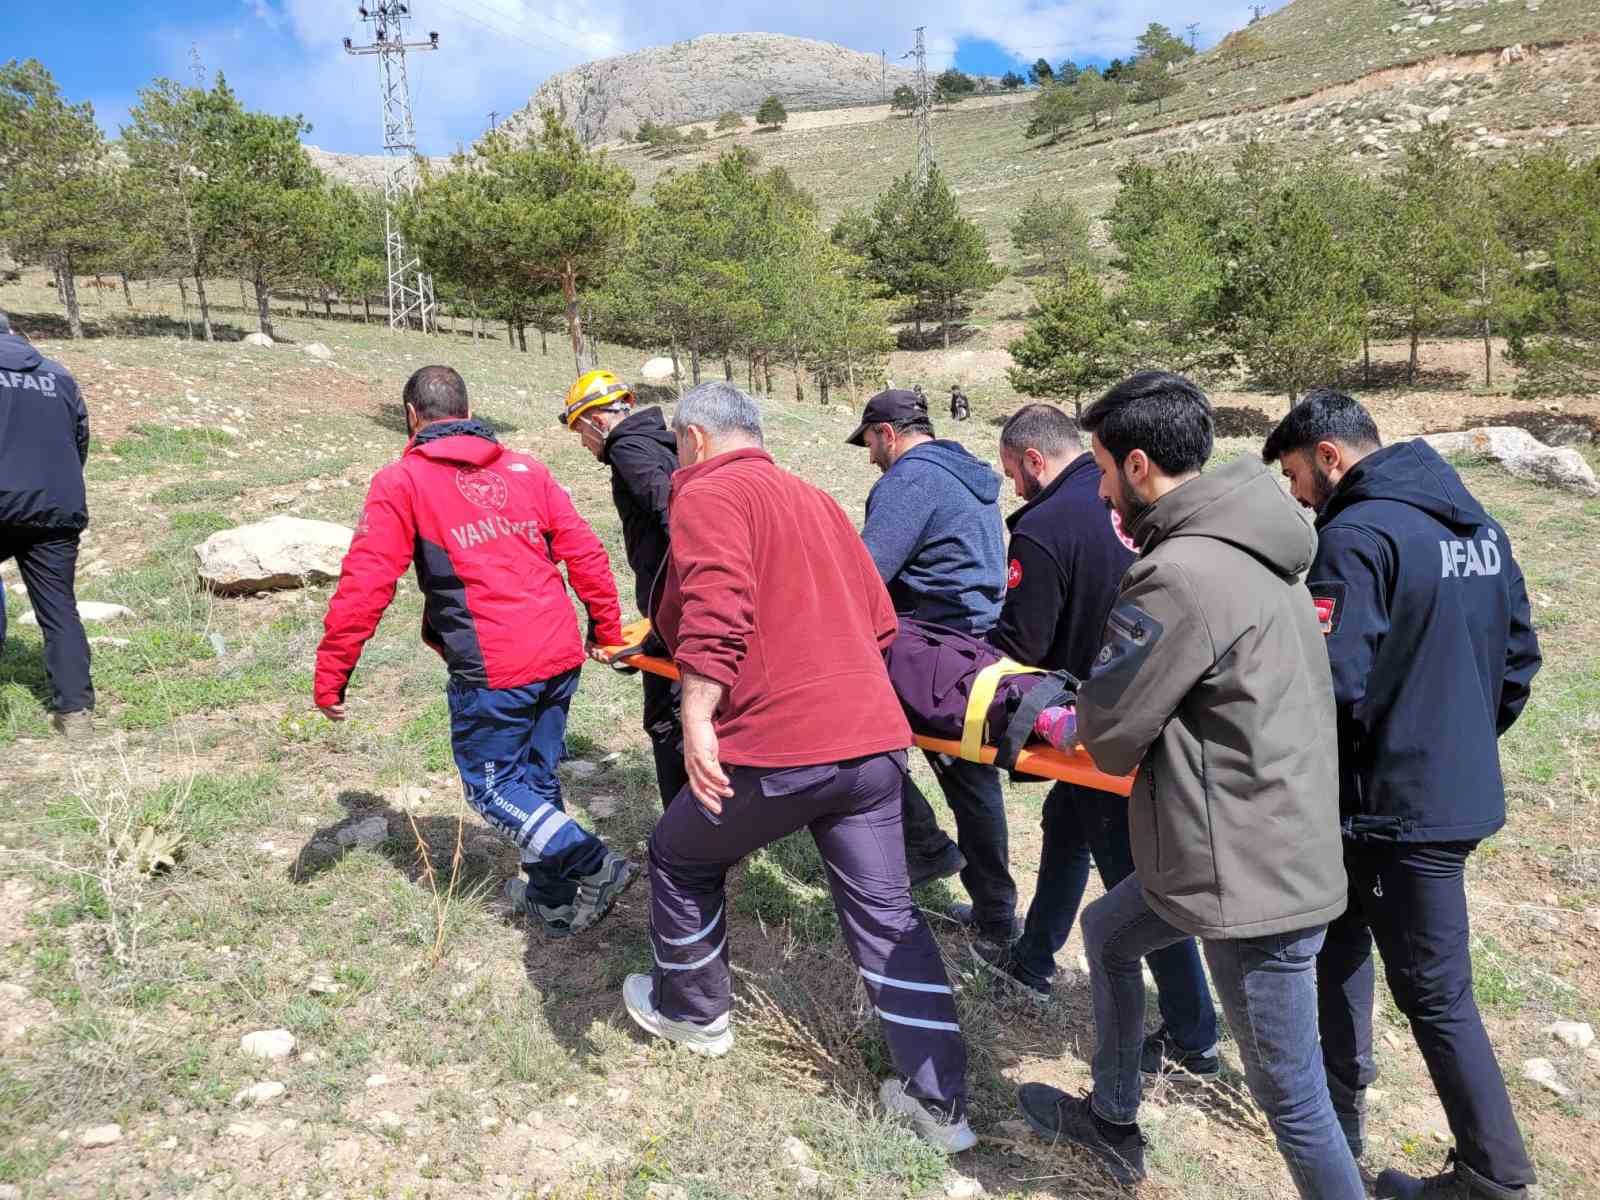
(593, 389)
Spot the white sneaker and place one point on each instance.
(712, 1041)
(950, 1136)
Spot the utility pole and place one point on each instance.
(493, 113)
(924, 109)
(883, 74)
(410, 287)
(1194, 34)
(1256, 11)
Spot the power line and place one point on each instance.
(410, 290)
(1193, 31)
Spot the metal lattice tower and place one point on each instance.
(924, 111)
(410, 287)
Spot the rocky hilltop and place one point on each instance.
(700, 79)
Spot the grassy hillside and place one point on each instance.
(1332, 74)
(444, 1050)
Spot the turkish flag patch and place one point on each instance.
(1329, 601)
(1014, 575)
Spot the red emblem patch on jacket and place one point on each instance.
(482, 487)
(1014, 575)
(1328, 599)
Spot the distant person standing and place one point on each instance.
(1433, 653)
(960, 409)
(642, 454)
(44, 443)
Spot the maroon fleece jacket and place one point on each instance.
(771, 593)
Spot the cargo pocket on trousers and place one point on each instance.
(794, 780)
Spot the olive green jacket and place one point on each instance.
(1214, 682)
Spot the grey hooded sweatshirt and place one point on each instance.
(1214, 682)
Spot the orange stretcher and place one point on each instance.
(1047, 763)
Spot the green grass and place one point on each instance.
(150, 448)
(859, 1144)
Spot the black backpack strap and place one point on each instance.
(1058, 687)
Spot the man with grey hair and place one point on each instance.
(775, 615)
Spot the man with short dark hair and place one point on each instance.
(1213, 683)
(639, 448)
(960, 408)
(488, 530)
(1433, 652)
(777, 620)
(44, 443)
(1068, 556)
(933, 528)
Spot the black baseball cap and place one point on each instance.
(893, 407)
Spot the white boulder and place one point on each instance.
(257, 339)
(1577, 1034)
(656, 369)
(1522, 455)
(280, 552)
(88, 610)
(1543, 1072)
(317, 350)
(267, 1043)
(97, 1136)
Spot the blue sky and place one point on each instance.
(285, 55)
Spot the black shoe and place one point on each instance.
(1457, 1182)
(1163, 1057)
(1058, 1117)
(1003, 963)
(989, 931)
(943, 865)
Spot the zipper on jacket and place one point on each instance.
(1134, 631)
(1155, 810)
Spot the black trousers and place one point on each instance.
(665, 730)
(48, 561)
(1411, 899)
(976, 799)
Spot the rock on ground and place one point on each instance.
(1522, 455)
(280, 552)
(100, 1135)
(656, 369)
(1577, 1034)
(257, 339)
(260, 1093)
(1543, 1072)
(366, 834)
(317, 350)
(267, 1043)
(88, 610)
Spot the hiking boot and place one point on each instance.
(1162, 1057)
(1058, 1117)
(598, 892)
(1456, 1182)
(990, 931)
(557, 921)
(943, 865)
(75, 726)
(711, 1041)
(930, 1123)
(1002, 962)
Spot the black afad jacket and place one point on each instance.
(1431, 645)
(642, 455)
(44, 442)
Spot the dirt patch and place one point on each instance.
(1237, 421)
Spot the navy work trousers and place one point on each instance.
(48, 563)
(665, 731)
(853, 812)
(1411, 898)
(507, 744)
(1078, 823)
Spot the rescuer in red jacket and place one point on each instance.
(486, 528)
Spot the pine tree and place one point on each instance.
(1052, 233)
(1153, 82)
(771, 114)
(1079, 340)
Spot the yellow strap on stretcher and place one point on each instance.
(984, 686)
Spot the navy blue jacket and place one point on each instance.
(642, 455)
(1431, 644)
(934, 531)
(44, 442)
(1067, 562)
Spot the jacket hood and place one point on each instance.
(1410, 473)
(1240, 504)
(16, 354)
(469, 442)
(647, 423)
(977, 476)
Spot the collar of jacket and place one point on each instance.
(1084, 462)
(1240, 504)
(466, 427)
(685, 475)
(641, 422)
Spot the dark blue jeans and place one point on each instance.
(507, 744)
(1268, 988)
(1411, 899)
(978, 803)
(1078, 823)
(48, 563)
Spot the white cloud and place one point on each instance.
(286, 54)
